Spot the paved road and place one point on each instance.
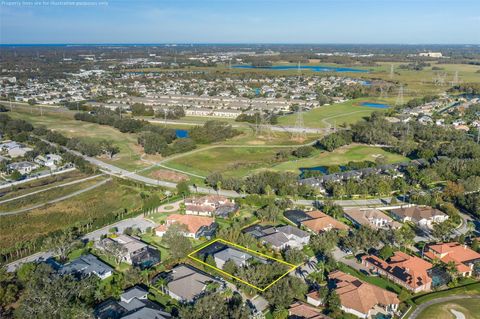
(44, 175)
(56, 200)
(135, 222)
(49, 188)
(423, 306)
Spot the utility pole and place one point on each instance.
(400, 100)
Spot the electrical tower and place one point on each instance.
(391, 71)
(299, 130)
(455, 80)
(400, 100)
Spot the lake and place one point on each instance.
(375, 105)
(315, 68)
(321, 169)
(181, 133)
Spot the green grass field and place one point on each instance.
(230, 161)
(341, 156)
(335, 114)
(469, 307)
(130, 151)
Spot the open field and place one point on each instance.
(469, 307)
(336, 114)
(227, 160)
(63, 121)
(40, 184)
(340, 156)
(39, 198)
(96, 205)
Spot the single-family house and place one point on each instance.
(408, 271)
(362, 299)
(131, 250)
(85, 266)
(133, 304)
(23, 168)
(300, 310)
(210, 205)
(463, 257)
(371, 217)
(186, 283)
(314, 298)
(50, 160)
(424, 216)
(19, 151)
(195, 226)
(321, 222)
(240, 258)
(280, 237)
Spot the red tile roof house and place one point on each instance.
(197, 226)
(463, 257)
(207, 205)
(407, 271)
(362, 299)
(302, 310)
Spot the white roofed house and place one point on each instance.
(209, 205)
(424, 216)
(23, 168)
(280, 237)
(240, 258)
(50, 160)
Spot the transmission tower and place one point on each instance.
(400, 100)
(299, 130)
(391, 71)
(455, 80)
(383, 91)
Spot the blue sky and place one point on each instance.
(243, 21)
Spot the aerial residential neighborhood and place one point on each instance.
(240, 159)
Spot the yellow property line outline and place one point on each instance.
(292, 267)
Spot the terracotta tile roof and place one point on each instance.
(458, 253)
(359, 295)
(314, 295)
(193, 222)
(409, 269)
(322, 222)
(302, 310)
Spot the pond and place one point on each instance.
(375, 105)
(181, 133)
(315, 68)
(321, 169)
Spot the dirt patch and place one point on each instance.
(171, 176)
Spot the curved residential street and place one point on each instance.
(425, 305)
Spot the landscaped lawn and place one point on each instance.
(335, 114)
(341, 156)
(469, 307)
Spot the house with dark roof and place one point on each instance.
(408, 271)
(186, 283)
(85, 266)
(280, 237)
(133, 304)
(240, 258)
(134, 252)
(362, 299)
(296, 216)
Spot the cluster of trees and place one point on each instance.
(225, 304)
(335, 140)
(420, 101)
(414, 66)
(257, 118)
(267, 183)
(213, 131)
(174, 113)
